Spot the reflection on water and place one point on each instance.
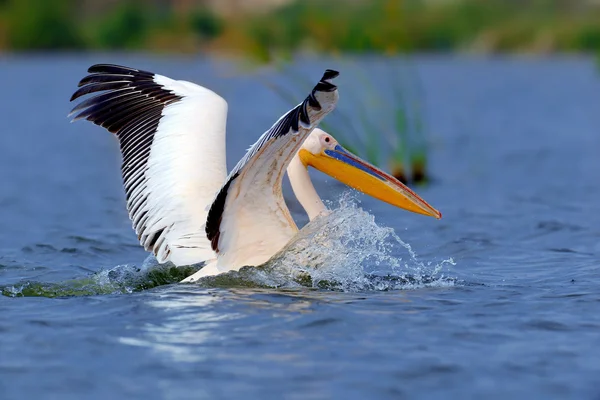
(193, 319)
(188, 327)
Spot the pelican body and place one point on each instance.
(184, 206)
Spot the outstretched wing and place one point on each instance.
(249, 222)
(172, 139)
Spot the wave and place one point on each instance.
(345, 250)
(120, 279)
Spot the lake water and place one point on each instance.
(501, 298)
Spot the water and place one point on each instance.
(497, 299)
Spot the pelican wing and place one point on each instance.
(172, 139)
(248, 221)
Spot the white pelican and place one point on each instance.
(184, 207)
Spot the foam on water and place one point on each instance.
(120, 279)
(343, 250)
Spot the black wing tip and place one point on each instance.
(125, 94)
(111, 69)
(330, 74)
(104, 73)
(325, 84)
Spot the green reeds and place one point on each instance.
(410, 123)
(380, 113)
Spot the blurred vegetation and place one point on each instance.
(38, 24)
(392, 26)
(71, 25)
(388, 26)
(380, 120)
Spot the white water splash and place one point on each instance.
(123, 278)
(345, 250)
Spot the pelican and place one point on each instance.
(183, 205)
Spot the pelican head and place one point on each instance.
(323, 152)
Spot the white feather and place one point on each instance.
(255, 221)
(172, 136)
(186, 168)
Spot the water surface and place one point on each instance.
(505, 301)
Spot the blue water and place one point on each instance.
(497, 299)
